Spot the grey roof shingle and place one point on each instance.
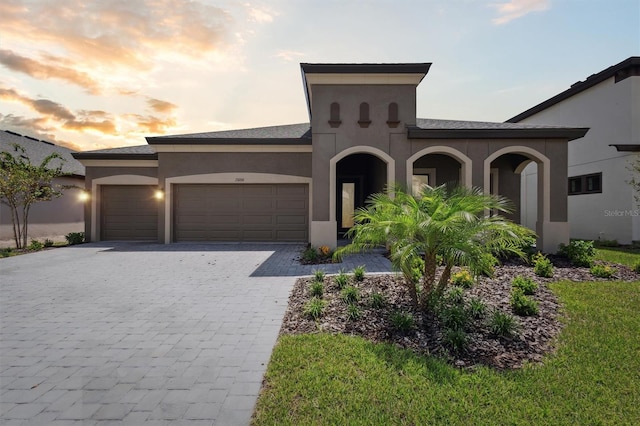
(287, 131)
(431, 123)
(38, 150)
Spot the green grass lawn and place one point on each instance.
(624, 256)
(593, 379)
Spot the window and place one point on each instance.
(334, 115)
(364, 115)
(585, 184)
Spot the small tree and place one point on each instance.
(443, 224)
(22, 184)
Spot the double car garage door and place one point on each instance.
(203, 212)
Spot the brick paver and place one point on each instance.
(143, 333)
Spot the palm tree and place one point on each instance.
(444, 223)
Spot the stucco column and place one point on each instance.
(323, 228)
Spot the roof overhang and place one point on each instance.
(537, 133)
(626, 147)
(167, 140)
(113, 156)
(630, 67)
(400, 74)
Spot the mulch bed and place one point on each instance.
(535, 338)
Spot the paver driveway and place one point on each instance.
(142, 333)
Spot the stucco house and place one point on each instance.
(301, 182)
(51, 219)
(601, 204)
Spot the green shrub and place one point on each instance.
(636, 268)
(314, 308)
(310, 254)
(353, 312)
(462, 278)
(455, 339)
(542, 266)
(48, 243)
(579, 253)
(74, 238)
(454, 296)
(318, 275)
(378, 300)
(502, 324)
(602, 271)
(341, 280)
(523, 305)
(477, 308)
(350, 294)
(526, 285)
(316, 289)
(35, 245)
(402, 321)
(358, 273)
(5, 252)
(454, 317)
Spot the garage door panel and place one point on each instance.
(128, 212)
(291, 191)
(277, 212)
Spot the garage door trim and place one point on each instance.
(112, 180)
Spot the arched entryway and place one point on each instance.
(357, 177)
(356, 173)
(438, 165)
(502, 175)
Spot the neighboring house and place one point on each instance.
(302, 182)
(47, 219)
(601, 202)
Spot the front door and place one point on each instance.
(349, 199)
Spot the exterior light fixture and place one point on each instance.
(159, 194)
(84, 195)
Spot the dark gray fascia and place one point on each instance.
(234, 141)
(115, 156)
(563, 133)
(626, 147)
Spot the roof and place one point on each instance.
(138, 152)
(628, 68)
(37, 150)
(456, 129)
(398, 68)
(289, 134)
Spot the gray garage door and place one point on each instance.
(128, 212)
(241, 212)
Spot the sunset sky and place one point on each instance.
(92, 74)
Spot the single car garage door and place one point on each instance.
(241, 212)
(128, 212)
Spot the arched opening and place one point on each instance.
(438, 165)
(433, 170)
(505, 180)
(357, 177)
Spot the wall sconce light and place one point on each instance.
(84, 195)
(159, 194)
